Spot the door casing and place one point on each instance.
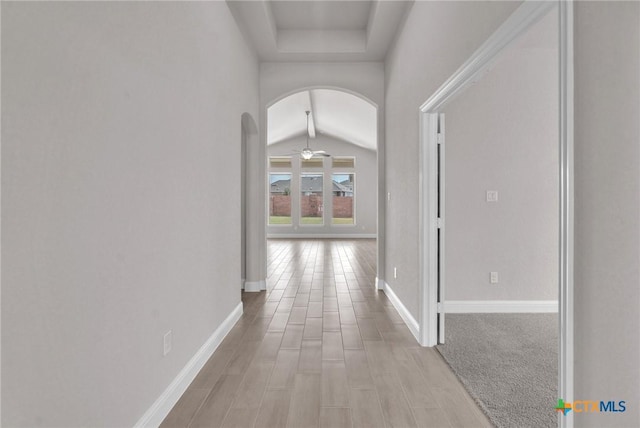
(522, 19)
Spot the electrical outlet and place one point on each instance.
(395, 272)
(168, 342)
(388, 196)
(492, 196)
(494, 277)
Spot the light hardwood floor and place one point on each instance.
(322, 348)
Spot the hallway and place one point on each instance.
(321, 347)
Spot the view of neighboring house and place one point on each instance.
(312, 185)
(348, 186)
(311, 201)
(281, 187)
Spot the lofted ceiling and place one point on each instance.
(321, 30)
(333, 113)
(317, 30)
(321, 15)
(312, 30)
(331, 30)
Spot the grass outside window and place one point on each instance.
(274, 219)
(343, 221)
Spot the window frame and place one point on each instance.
(339, 167)
(321, 173)
(353, 209)
(289, 172)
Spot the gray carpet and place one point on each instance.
(508, 363)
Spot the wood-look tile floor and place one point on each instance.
(323, 348)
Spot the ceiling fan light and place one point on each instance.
(306, 154)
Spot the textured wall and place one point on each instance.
(436, 39)
(502, 134)
(607, 209)
(120, 120)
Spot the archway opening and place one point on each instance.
(331, 193)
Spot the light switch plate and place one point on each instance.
(492, 196)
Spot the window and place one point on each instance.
(280, 198)
(311, 203)
(280, 161)
(343, 198)
(284, 176)
(343, 162)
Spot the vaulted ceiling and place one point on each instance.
(333, 113)
(312, 30)
(321, 30)
(315, 30)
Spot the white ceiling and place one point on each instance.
(331, 30)
(317, 30)
(311, 30)
(321, 15)
(333, 113)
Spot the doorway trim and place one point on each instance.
(471, 71)
(255, 264)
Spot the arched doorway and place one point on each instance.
(347, 187)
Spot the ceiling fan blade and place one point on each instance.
(322, 154)
(319, 151)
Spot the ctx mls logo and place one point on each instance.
(563, 407)
(591, 406)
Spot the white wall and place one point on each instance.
(607, 182)
(436, 39)
(607, 209)
(279, 79)
(119, 122)
(502, 134)
(365, 202)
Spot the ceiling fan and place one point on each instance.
(307, 153)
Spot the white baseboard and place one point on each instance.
(406, 316)
(255, 286)
(500, 306)
(163, 405)
(379, 283)
(321, 236)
